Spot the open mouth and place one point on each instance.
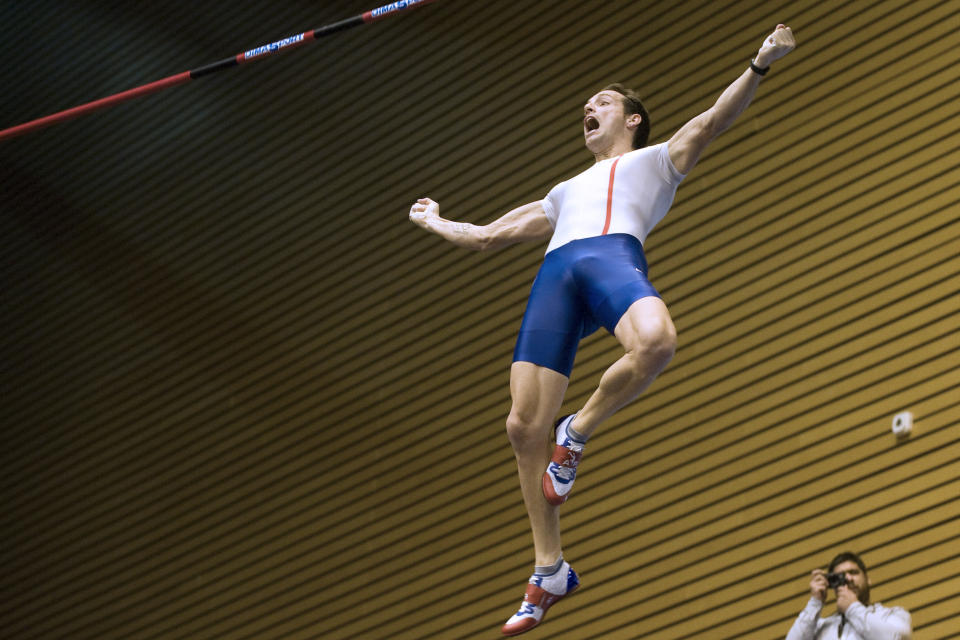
(590, 123)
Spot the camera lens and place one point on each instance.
(834, 580)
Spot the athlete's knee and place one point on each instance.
(665, 342)
(655, 340)
(523, 430)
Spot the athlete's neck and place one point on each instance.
(612, 151)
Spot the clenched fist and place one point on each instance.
(775, 46)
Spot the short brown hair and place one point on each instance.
(848, 556)
(632, 104)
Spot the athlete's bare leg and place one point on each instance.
(537, 394)
(647, 333)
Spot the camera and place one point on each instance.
(834, 580)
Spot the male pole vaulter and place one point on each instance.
(594, 273)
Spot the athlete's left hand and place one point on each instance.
(775, 46)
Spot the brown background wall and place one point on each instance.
(243, 397)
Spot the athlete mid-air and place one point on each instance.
(594, 274)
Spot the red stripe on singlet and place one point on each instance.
(613, 171)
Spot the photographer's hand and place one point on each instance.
(845, 597)
(818, 585)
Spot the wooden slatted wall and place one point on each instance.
(244, 398)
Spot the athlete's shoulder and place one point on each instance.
(649, 150)
(552, 203)
(644, 155)
(653, 160)
(559, 189)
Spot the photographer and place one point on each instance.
(856, 618)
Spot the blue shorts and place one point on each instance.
(581, 286)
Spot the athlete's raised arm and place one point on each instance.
(688, 143)
(523, 224)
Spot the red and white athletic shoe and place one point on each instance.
(562, 470)
(536, 601)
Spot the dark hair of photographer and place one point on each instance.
(847, 556)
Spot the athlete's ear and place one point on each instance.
(634, 120)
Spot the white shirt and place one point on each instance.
(873, 622)
(627, 194)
